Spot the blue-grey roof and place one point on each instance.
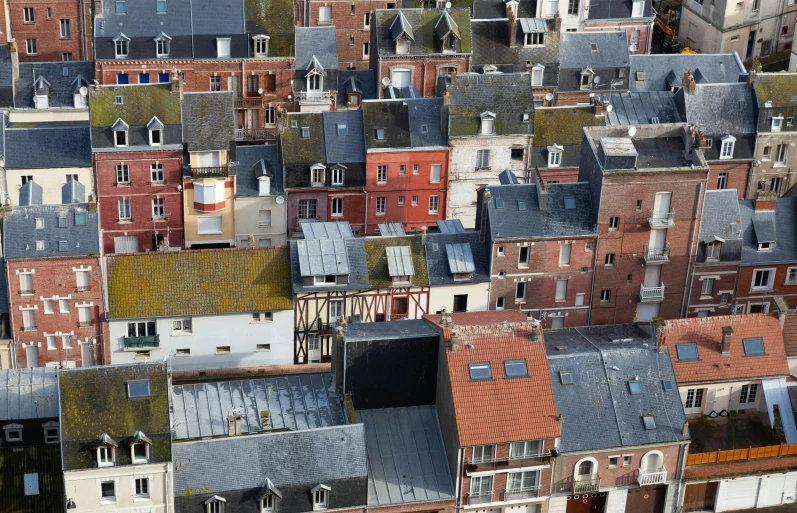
(715, 68)
(318, 42)
(406, 457)
(719, 109)
(73, 192)
(48, 145)
(351, 80)
(642, 108)
(404, 328)
(507, 177)
(322, 257)
(438, 263)
(343, 149)
(293, 402)
(497, 9)
(451, 226)
(424, 114)
(721, 216)
(616, 9)
(6, 78)
(214, 17)
(575, 51)
(208, 121)
(62, 77)
(31, 193)
(292, 457)
(143, 22)
(28, 393)
(598, 409)
(20, 234)
(785, 227)
(357, 275)
(246, 183)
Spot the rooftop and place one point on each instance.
(656, 146)
(45, 463)
(404, 328)
(208, 121)
(642, 108)
(738, 431)
(778, 88)
(47, 145)
(379, 275)
(780, 225)
(491, 48)
(448, 254)
(255, 161)
(616, 9)
(421, 24)
(138, 105)
(59, 230)
(28, 393)
(319, 43)
(596, 50)
(62, 78)
(344, 141)
(357, 267)
(661, 72)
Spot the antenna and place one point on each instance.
(632, 131)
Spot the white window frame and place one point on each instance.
(727, 147)
(565, 253)
(219, 43)
(102, 452)
(777, 123)
(137, 459)
(555, 155)
(434, 204)
(121, 46)
(123, 207)
(321, 499)
(49, 437)
(261, 45)
(789, 272)
(109, 500)
(483, 159)
(146, 486)
(182, 326)
(13, 433)
(381, 205)
(32, 46)
(317, 172)
(381, 175)
(337, 207)
(770, 281)
(781, 152)
(337, 176)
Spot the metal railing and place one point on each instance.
(480, 498)
(315, 97)
(248, 103)
(530, 492)
(587, 485)
(661, 219)
(656, 255)
(652, 478)
(529, 457)
(255, 134)
(210, 172)
(137, 343)
(651, 293)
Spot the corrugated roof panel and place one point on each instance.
(391, 229)
(28, 393)
(460, 258)
(399, 261)
(334, 230)
(450, 226)
(322, 257)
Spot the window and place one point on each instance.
(120, 6)
(791, 276)
(142, 486)
(614, 223)
(121, 46)
(554, 157)
(215, 83)
(687, 351)
(401, 201)
(158, 208)
(767, 152)
(317, 176)
(415, 201)
(515, 368)
(267, 502)
(252, 85)
(708, 287)
(122, 174)
(537, 74)
(367, 20)
(520, 292)
(66, 57)
(162, 46)
(609, 260)
(66, 30)
(270, 115)
(156, 173)
(516, 154)
(753, 346)
(49, 309)
(28, 15)
(561, 290)
(305, 132)
(120, 137)
(436, 171)
(726, 151)
(606, 295)
(777, 123)
(483, 159)
(570, 202)
(775, 183)
(585, 469)
(262, 316)
(264, 218)
(26, 283)
(223, 47)
(108, 490)
(613, 461)
(139, 453)
(181, 326)
(325, 14)
(572, 7)
(481, 486)
(337, 206)
(762, 278)
(261, 46)
(329, 279)
(381, 175)
(31, 46)
(416, 169)
(480, 371)
(366, 49)
(564, 254)
(722, 181)
(780, 153)
(13, 433)
(635, 387)
(748, 394)
(105, 456)
(137, 389)
(694, 398)
(649, 421)
(713, 251)
(216, 506)
(63, 305)
(307, 209)
(499, 303)
(124, 210)
(381, 205)
(320, 497)
(756, 5)
(434, 204)
(51, 435)
(160, 6)
(487, 126)
(529, 449)
(521, 482)
(141, 329)
(483, 453)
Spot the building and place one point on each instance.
(665, 72)
(260, 207)
(775, 134)
(47, 32)
(233, 311)
(344, 148)
(52, 91)
(731, 374)
(541, 239)
(116, 444)
(354, 86)
(624, 436)
(137, 142)
(52, 257)
(7, 353)
(407, 161)
(490, 120)
(30, 453)
(316, 79)
(407, 53)
(648, 184)
(208, 186)
(591, 63)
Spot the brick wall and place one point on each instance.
(425, 69)
(744, 294)
(296, 195)
(417, 507)
(353, 207)
(352, 33)
(46, 29)
(724, 281)
(738, 175)
(558, 174)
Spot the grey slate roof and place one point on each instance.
(454, 225)
(308, 456)
(364, 81)
(425, 112)
(404, 328)
(246, 183)
(575, 52)
(390, 229)
(293, 402)
(6, 78)
(406, 456)
(720, 216)
(20, 233)
(598, 408)
(358, 269)
(437, 258)
(143, 22)
(420, 27)
(48, 145)
(555, 221)
(318, 42)
(390, 115)
(764, 227)
(785, 248)
(490, 9)
(616, 9)
(641, 108)
(214, 17)
(491, 47)
(30, 393)
(208, 121)
(342, 149)
(715, 68)
(62, 87)
(31, 194)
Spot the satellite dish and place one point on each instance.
(260, 91)
(549, 97)
(609, 108)
(280, 200)
(597, 79)
(632, 131)
(84, 90)
(448, 5)
(386, 81)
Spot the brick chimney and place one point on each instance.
(13, 51)
(454, 342)
(751, 78)
(536, 332)
(512, 30)
(542, 194)
(725, 345)
(689, 83)
(765, 200)
(598, 107)
(486, 197)
(446, 107)
(557, 23)
(176, 82)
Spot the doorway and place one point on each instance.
(649, 499)
(750, 44)
(700, 497)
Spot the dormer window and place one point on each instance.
(139, 452)
(765, 246)
(713, 250)
(337, 175)
(106, 451)
(162, 45)
(121, 45)
(726, 150)
(13, 432)
(320, 497)
(534, 39)
(555, 155)
(586, 79)
(155, 128)
(268, 496)
(261, 45)
(537, 72)
(329, 279)
(317, 175)
(41, 98)
(215, 504)
(80, 92)
(267, 503)
(223, 47)
(487, 123)
(777, 123)
(120, 129)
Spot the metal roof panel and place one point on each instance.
(399, 261)
(460, 258)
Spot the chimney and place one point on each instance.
(557, 23)
(423, 235)
(443, 315)
(512, 30)
(685, 429)
(176, 82)
(454, 342)
(751, 78)
(598, 108)
(700, 139)
(486, 197)
(725, 345)
(560, 419)
(11, 46)
(234, 425)
(689, 83)
(757, 65)
(765, 200)
(536, 332)
(542, 194)
(547, 100)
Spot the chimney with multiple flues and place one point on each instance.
(725, 345)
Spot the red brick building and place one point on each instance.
(136, 134)
(407, 159)
(52, 31)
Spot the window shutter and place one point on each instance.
(270, 83)
(561, 289)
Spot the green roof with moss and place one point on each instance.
(199, 282)
(563, 125)
(273, 18)
(94, 401)
(139, 105)
(423, 23)
(378, 274)
(780, 89)
(507, 95)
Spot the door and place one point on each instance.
(661, 205)
(232, 85)
(126, 244)
(741, 493)
(314, 349)
(646, 311)
(87, 354)
(32, 354)
(772, 488)
(461, 303)
(252, 118)
(700, 497)
(207, 159)
(587, 503)
(653, 275)
(649, 499)
(657, 240)
(335, 311)
(652, 463)
(750, 44)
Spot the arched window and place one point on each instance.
(585, 468)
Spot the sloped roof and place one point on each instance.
(30, 393)
(47, 145)
(31, 194)
(491, 47)
(364, 80)
(390, 115)
(198, 282)
(424, 122)
(616, 9)
(399, 261)
(563, 125)
(320, 257)
(357, 275)
(438, 258)
(208, 120)
(422, 23)
(778, 88)
(299, 150)
(509, 96)
(61, 85)
(20, 234)
(45, 462)
(496, 9)
(721, 217)
(379, 275)
(641, 108)
(575, 51)
(716, 68)
(785, 248)
(319, 43)
(246, 183)
(327, 230)
(719, 109)
(342, 149)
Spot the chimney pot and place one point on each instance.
(685, 430)
(454, 342)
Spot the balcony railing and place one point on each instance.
(513, 462)
(652, 478)
(27, 292)
(651, 294)
(210, 172)
(83, 324)
(480, 498)
(139, 343)
(531, 492)
(661, 219)
(587, 485)
(657, 256)
(248, 103)
(255, 134)
(315, 97)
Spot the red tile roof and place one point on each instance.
(790, 333)
(711, 365)
(499, 410)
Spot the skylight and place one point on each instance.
(521, 205)
(515, 368)
(753, 346)
(650, 422)
(570, 203)
(499, 203)
(566, 377)
(305, 132)
(687, 351)
(480, 371)
(667, 384)
(343, 129)
(635, 387)
(137, 389)
(380, 134)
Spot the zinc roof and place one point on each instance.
(399, 260)
(30, 393)
(322, 257)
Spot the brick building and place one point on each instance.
(136, 136)
(52, 31)
(591, 62)
(649, 188)
(775, 134)
(407, 160)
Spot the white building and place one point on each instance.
(260, 201)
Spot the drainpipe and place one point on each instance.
(365, 224)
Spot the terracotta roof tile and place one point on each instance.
(790, 333)
(711, 365)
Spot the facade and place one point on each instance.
(233, 312)
(775, 134)
(602, 69)
(490, 127)
(136, 138)
(129, 463)
(316, 80)
(52, 91)
(46, 31)
(260, 206)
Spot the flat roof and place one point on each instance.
(403, 328)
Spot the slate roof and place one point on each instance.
(299, 150)
(423, 23)
(358, 269)
(343, 149)
(214, 17)
(778, 88)
(404, 328)
(275, 19)
(62, 87)
(490, 9)
(3, 289)
(554, 222)
(425, 112)
(563, 125)
(616, 9)
(45, 461)
(721, 216)
(437, 258)
(598, 409)
(715, 68)
(406, 456)
(30, 393)
(47, 145)
(509, 96)
(365, 82)
(31, 193)
(785, 248)
(711, 365)
(140, 22)
(246, 183)
(378, 272)
(286, 458)
(404, 122)
(208, 120)
(94, 401)
(491, 47)
(719, 109)
(575, 53)
(318, 42)
(221, 281)
(20, 233)
(6, 78)
(641, 108)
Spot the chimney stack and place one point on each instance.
(234, 425)
(685, 429)
(486, 197)
(13, 51)
(512, 30)
(443, 315)
(689, 83)
(176, 82)
(557, 23)
(454, 342)
(423, 235)
(542, 194)
(598, 107)
(765, 200)
(536, 332)
(559, 419)
(725, 345)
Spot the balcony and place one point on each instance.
(480, 498)
(652, 478)
(210, 172)
(661, 219)
(255, 134)
(651, 294)
(142, 343)
(587, 485)
(315, 97)
(656, 256)
(84, 324)
(248, 103)
(325, 328)
(504, 463)
(531, 492)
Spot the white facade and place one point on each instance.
(756, 491)
(478, 296)
(51, 181)
(84, 487)
(213, 341)
(263, 217)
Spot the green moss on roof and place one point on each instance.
(563, 125)
(269, 16)
(281, 45)
(199, 282)
(780, 89)
(461, 18)
(44, 461)
(297, 150)
(140, 104)
(378, 274)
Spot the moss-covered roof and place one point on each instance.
(273, 18)
(199, 282)
(44, 461)
(780, 89)
(508, 95)
(422, 22)
(563, 125)
(299, 150)
(461, 18)
(139, 105)
(94, 402)
(378, 274)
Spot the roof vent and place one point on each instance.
(234, 423)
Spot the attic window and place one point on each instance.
(753, 346)
(521, 205)
(635, 387)
(667, 384)
(305, 132)
(380, 134)
(570, 203)
(424, 129)
(136, 389)
(686, 351)
(480, 371)
(594, 46)
(343, 129)
(566, 377)
(534, 39)
(650, 422)
(118, 100)
(516, 369)
(640, 76)
(294, 124)
(499, 203)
